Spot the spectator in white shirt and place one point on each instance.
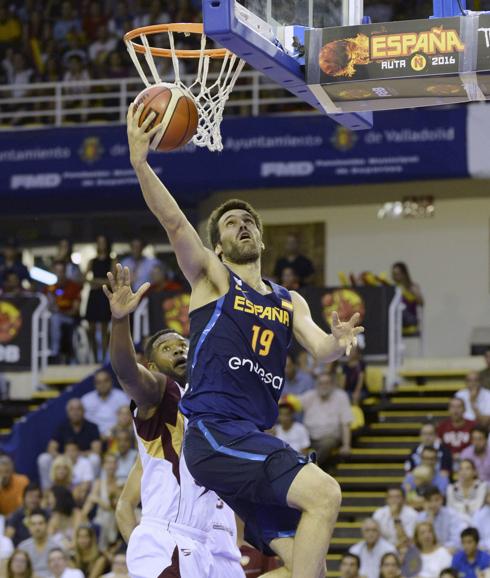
(396, 520)
(327, 417)
(101, 405)
(481, 521)
(58, 565)
(476, 400)
(82, 469)
(434, 557)
(371, 549)
(467, 495)
(291, 431)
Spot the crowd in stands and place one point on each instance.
(437, 524)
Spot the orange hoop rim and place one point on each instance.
(186, 28)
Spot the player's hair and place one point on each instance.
(472, 533)
(355, 557)
(213, 229)
(151, 341)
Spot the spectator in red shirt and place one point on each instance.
(64, 299)
(455, 431)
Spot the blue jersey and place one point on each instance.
(237, 355)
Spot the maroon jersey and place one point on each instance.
(455, 438)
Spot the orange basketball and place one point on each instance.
(175, 109)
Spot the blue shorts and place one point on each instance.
(250, 470)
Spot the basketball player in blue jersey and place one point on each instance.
(173, 538)
(241, 327)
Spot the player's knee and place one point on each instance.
(321, 494)
(329, 493)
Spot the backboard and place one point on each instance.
(269, 35)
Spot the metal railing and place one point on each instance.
(39, 339)
(395, 340)
(107, 100)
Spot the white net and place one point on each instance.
(210, 89)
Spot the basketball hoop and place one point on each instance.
(210, 98)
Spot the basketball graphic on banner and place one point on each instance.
(346, 302)
(10, 321)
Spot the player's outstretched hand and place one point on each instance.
(346, 332)
(138, 137)
(121, 297)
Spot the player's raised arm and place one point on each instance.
(192, 255)
(322, 346)
(143, 386)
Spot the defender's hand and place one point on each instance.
(138, 139)
(346, 332)
(121, 297)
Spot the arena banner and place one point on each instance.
(372, 303)
(87, 168)
(15, 332)
(479, 140)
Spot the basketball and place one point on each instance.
(175, 109)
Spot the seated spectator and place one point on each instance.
(350, 566)
(390, 566)
(10, 261)
(87, 556)
(160, 281)
(371, 549)
(140, 266)
(301, 265)
(296, 381)
(455, 431)
(354, 370)
(289, 279)
(412, 298)
(104, 496)
(119, 568)
(65, 517)
(481, 521)
(470, 561)
(101, 406)
(327, 417)
(75, 428)
(102, 46)
(19, 565)
(467, 495)
(428, 458)
(16, 527)
(396, 520)
(476, 400)
(40, 544)
(126, 455)
(12, 286)
(12, 487)
(64, 298)
(124, 423)
(289, 430)
(434, 557)
(61, 473)
(428, 439)
(68, 23)
(484, 374)
(83, 472)
(479, 452)
(58, 565)
(447, 523)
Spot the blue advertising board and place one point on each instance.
(87, 168)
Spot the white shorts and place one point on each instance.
(226, 568)
(158, 550)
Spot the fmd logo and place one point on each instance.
(291, 169)
(91, 149)
(40, 181)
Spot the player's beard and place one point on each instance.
(241, 253)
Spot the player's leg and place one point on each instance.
(283, 547)
(318, 496)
